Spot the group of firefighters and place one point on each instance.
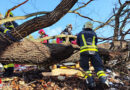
(86, 39)
(66, 31)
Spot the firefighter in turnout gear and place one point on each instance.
(5, 29)
(67, 31)
(9, 69)
(87, 40)
(10, 25)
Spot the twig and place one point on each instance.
(7, 15)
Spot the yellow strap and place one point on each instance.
(93, 42)
(5, 66)
(88, 73)
(11, 65)
(84, 41)
(86, 47)
(12, 26)
(88, 50)
(6, 30)
(101, 73)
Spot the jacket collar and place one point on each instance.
(87, 29)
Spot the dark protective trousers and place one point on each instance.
(95, 61)
(9, 71)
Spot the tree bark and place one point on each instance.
(29, 52)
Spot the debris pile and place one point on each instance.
(34, 80)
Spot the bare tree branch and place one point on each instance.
(117, 16)
(127, 32)
(84, 16)
(7, 15)
(83, 5)
(120, 2)
(123, 35)
(104, 24)
(125, 11)
(123, 24)
(22, 17)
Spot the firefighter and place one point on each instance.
(67, 31)
(6, 29)
(87, 40)
(42, 35)
(9, 69)
(10, 25)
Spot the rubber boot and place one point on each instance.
(90, 82)
(104, 81)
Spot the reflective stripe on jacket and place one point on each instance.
(86, 47)
(3, 29)
(87, 40)
(8, 65)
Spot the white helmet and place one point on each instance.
(88, 25)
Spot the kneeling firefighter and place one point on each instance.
(9, 69)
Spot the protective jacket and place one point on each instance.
(9, 65)
(6, 31)
(11, 25)
(43, 36)
(87, 40)
(3, 29)
(67, 31)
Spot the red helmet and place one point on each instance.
(41, 31)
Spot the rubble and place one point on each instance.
(34, 80)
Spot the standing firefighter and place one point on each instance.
(87, 40)
(67, 31)
(42, 35)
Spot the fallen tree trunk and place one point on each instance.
(29, 52)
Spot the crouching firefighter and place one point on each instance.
(87, 40)
(6, 30)
(9, 69)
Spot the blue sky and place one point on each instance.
(99, 10)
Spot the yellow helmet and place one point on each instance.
(88, 25)
(10, 14)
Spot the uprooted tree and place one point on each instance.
(29, 52)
